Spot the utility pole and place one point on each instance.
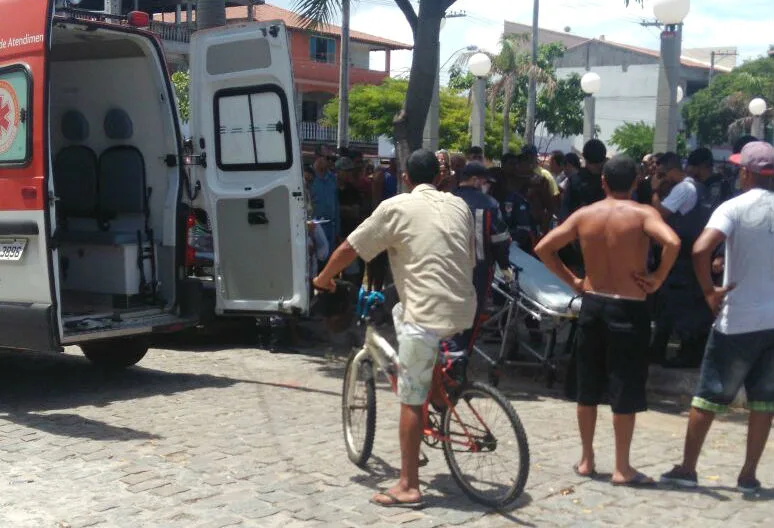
(712, 62)
(532, 102)
(342, 133)
(430, 137)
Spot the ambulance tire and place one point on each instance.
(115, 354)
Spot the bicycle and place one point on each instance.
(456, 436)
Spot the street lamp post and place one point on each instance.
(670, 13)
(479, 65)
(590, 84)
(757, 107)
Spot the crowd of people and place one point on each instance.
(632, 239)
(533, 195)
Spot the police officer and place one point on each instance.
(492, 242)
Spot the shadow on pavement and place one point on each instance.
(32, 384)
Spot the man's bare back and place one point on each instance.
(614, 245)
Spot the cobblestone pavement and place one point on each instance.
(223, 436)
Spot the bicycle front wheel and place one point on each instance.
(485, 446)
(358, 409)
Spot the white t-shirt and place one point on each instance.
(682, 198)
(748, 223)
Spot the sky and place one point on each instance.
(747, 25)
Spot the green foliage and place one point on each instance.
(372, 108)
(633, 139)
(493, 137)
(459, 80)
(561, 111)
(181, 82)
(711, 111)
(636, 139)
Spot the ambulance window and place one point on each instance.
(253, 129)
(14, 116)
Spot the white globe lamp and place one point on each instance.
(480, 65)
(671, 12)
(680, 94)
(757, 106)
(591, 83)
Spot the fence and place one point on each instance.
(325, 134)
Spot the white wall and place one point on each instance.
(624, 96)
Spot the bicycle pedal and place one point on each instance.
(423, 460)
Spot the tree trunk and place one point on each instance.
(409, 124)
(210, 13)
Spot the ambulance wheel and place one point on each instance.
(115, 354)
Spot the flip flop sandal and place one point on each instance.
(638, 481)
(397, 503)
(591, 475)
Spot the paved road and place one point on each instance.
(233, 435)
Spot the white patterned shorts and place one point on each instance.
(416, 358)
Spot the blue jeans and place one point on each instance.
(731, 360)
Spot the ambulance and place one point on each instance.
(112, 227)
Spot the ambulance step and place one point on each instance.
(89, 329)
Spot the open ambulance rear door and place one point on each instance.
(244, 130)
(28, 314)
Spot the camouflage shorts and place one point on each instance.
(417, 359)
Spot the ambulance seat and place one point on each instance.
(116, 248)
(75, 170)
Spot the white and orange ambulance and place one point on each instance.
(103, 208)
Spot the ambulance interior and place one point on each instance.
(114, 148)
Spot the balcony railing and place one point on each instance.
(315, 132)
(171, 31)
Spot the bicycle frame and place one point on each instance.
(385, 358)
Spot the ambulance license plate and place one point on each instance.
(12, 249)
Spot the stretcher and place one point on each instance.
(532, 312)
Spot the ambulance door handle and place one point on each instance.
(257, 218)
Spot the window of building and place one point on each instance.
(15, 98)
(253, 129)
(322, 49)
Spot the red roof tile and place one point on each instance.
(266, 12)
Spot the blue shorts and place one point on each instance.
(731, 360)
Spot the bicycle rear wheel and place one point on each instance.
(358, 410)
(485, 446)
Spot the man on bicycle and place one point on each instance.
(492, 243)
(429, 238)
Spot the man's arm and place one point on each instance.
(703, 251)
(548, 251)
(344, 255)
(658, 230)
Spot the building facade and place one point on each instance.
(629, 79)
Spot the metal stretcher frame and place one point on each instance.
(505, 321)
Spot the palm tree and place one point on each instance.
(736, 103)
(510, 66)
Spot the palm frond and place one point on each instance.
(315, 13)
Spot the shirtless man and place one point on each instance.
(614, 324)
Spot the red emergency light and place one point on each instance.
(138, 19)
